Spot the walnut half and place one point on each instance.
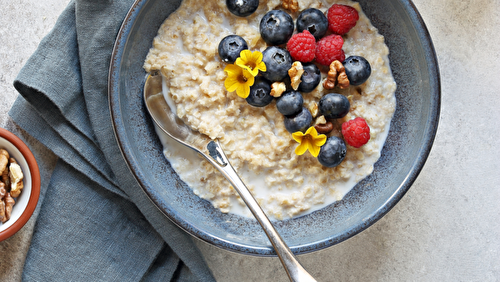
(336, 76)
(295, 73)
(292, 5)
(277, 88)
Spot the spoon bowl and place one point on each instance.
(165, 118)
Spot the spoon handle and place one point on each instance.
(294, 269)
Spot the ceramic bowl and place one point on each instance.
(28, 199)
(409, 142)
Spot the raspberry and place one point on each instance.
(302, 46)
(356, 132)
(341, 18)
(329, 49)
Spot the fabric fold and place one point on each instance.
(85, 233)
(95, 221)
(26, 116)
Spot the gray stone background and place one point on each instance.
(446, 228)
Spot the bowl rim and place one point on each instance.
(425, 147)
(35, 184)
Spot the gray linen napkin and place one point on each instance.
(95, 222)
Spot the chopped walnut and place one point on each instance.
(320, 120)
(5, 177)
(336, 76)
(292, 5)
(5, 153)
(9, 203)
(277, 88)
(16, 179)
(342, 80)
(4, 161)
(295, 73)
(313, 108)
(3, 191)
(11, 184)
(3, 218)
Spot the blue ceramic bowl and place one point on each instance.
(415, 68)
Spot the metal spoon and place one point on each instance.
(167, 121)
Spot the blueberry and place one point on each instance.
(310, 78)
(298, 122)
(278, 61)
(334, 105)
(290, 103)
(333, 152)
(242, 8)
(357, 69)
(260, 93)
(230, 48)
(276, 27)
(314, 21)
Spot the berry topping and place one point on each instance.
(276, 27)
(341, 18)
(329, 49)
(260, 93)
(302, 46)
(230, 48)
(278, 61)
(242, 8)
(290, 103)
(314, 21)
(310, 78)
(333, 152)
(357, 69)
(334, 105)
(298, 122)
(356, 132)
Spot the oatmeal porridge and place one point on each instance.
(255, 139)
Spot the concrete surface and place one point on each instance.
(447, 228)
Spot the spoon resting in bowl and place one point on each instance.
(168, 122)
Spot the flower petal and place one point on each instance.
(319, 140)
(297, 136)
(240, 62)
(243, 91)
(249, 77)
(254, 72)
(301, 149)
(232, 69)
(231, 83)
(246, 56)
(311, 131)
(257, 56)
(313, 149)
(261, 66)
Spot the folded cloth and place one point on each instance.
(95, 222)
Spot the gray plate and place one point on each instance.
(415, 68)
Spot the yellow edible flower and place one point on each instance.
(239, 80)
(309, 141)
(251, 61)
